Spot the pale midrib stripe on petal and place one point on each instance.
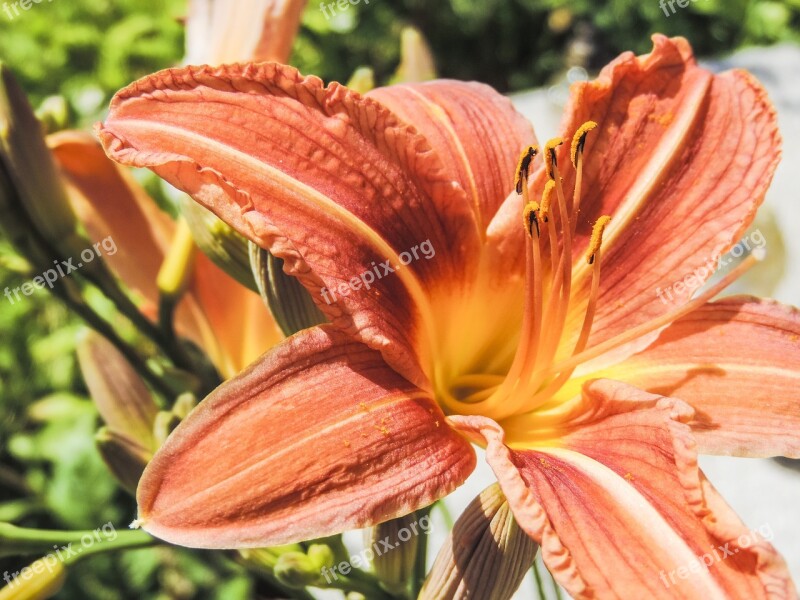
(669, 148)
(436, 111)
(661, 535)
(306, 441)
(635, 367)
(315, 199)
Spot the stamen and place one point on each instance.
(593, 257)
(579, 141)
(550, 156)
(530, 218)
(658, 322)
(547, 199)
(597, 238)
(523, 168)
(578, 145)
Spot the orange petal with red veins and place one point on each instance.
(620, 508)
(681, 159)
(737, 362)
(331, 182)
(317, 437)
(476, 131)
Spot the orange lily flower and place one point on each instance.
(591, 395)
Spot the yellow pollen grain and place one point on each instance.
(363, 406)
(529, 218)
(547, 199)
(663, 120)
(794, 338)
(524, 166)
(579, 140)
(629, 477)
(597, 237)
(346, 443)
(550, 156)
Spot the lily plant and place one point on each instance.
(535, 329)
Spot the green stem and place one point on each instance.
(97, 323)
(349, 584)
(538, 577)
(23, 541)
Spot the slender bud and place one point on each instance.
(31, 170)
(416, 58)
(485, 556)
(297, 570)
(289, 302)
(125, 458)
(121, 397)
(219, 241)
(53, 113)
(394, 546)
(38, 581)
(362, 80)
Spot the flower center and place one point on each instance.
(542, 364)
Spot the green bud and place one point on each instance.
(121, 397)
(321, 555)
(362, 80)
(31, 170)
(219, 242)
(177, 270)
(53, 114)
(485, 556)
(297, 570)
(395, 567)
(416, 58)
(289, 302)
(124, 458)
(38, 581)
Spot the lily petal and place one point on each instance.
(477, 132)
(317, 437)
(736, 362)
(620, 508)
(681, 160)
(331, 182)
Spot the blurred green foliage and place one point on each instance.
(50, 473)
(87, 49)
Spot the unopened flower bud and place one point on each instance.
(31, 171)
(486, 555)
(393, 546)
(297, 570)
(416, 58)
(121, 397)
(42, 579)
(125, 458)
(362, 80)
(219, 241)
(289, 302)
